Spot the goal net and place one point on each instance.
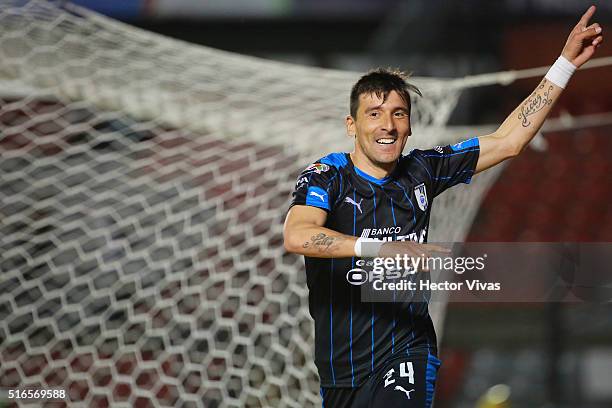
(143, 187)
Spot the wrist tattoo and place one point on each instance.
(323, 242)
(536, 102)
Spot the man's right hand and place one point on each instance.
(583, 40)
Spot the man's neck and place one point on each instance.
(374, 170)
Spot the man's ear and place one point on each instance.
(351, 129)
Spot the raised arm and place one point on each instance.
(523, 123)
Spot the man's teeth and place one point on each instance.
(385, 141)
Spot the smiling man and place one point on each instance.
(375, 201)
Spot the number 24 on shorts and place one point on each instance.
(406, 370)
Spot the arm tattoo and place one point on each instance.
(323, 242)
(536, 102)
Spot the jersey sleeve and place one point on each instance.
(450, 165)
(316, 186)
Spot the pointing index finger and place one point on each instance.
(584, 20)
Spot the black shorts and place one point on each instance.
(406, 382)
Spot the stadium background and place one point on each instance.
(548, 354)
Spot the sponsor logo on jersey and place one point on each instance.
(391, 234)
(466, 144)
(321, 196)
(367, 232)
(357, 276)
(317, 168)
(402, 389)
(421, 196)
(460, 145)
(351, 201)
(317, 197)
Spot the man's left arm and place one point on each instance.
(524, 122)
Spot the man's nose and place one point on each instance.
(388, 123)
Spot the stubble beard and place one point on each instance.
(371, 155)
(380, 162)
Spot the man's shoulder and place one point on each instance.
(337, 160)
(413, 156)
(446, 150)
(436, 150)
(416, 162)
(327, 165)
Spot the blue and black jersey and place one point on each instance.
(354, 338)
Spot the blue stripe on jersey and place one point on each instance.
(414, 221)
(467, 180)
(393, 329)
(451, 154)
(340, 194)
(351, 308)
(328, 187)
(431, 373)
(466, 144)
(374, 201)
(372, 335)
(370, 178)
(410, 201)
(411, 325)
(317, 197)
(372, 306)
(331, 324)
(444, 177)
(332, 179)
(459, 172)
(392, 212)
(322, 397)
(424, 166)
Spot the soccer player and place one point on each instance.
(375, 201)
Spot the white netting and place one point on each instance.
(143, 186)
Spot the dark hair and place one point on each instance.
(381, 82)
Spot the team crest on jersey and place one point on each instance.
(421, 195)
(317, 168)
(439, 149)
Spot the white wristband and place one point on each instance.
(367, 247)
(561, 72)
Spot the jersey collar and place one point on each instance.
(363, 174)
(372, 179)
